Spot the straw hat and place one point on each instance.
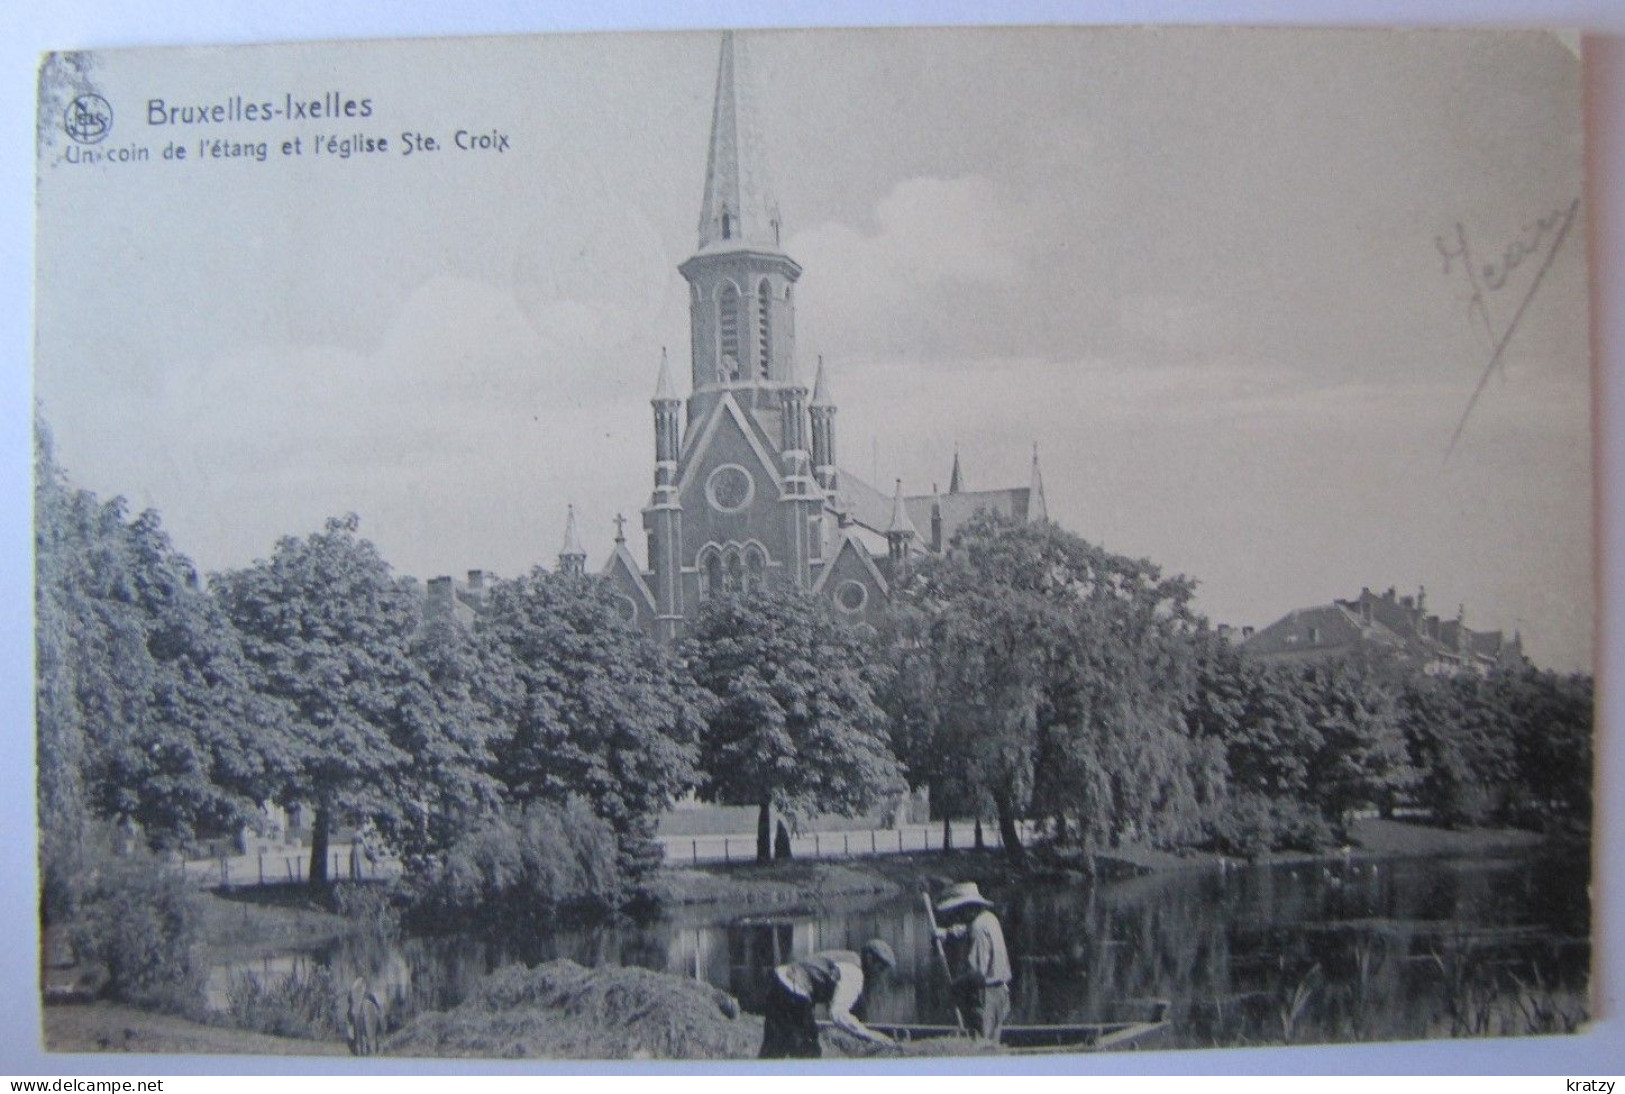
(959, 895)
(877, 950)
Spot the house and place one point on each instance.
(1390, 625)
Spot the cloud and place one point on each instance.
(938, 245)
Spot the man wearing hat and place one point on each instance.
(835, 978)
(977, 958)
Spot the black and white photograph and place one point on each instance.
(792, 544)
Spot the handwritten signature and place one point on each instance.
(1543, 238)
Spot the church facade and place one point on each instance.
(749, 491)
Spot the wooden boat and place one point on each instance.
(1071, 1037)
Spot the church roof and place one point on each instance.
(738, 210)
(873, 509)
(958, 509)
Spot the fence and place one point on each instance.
(282, 867)
(693, 850)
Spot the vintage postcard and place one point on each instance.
(814, 543)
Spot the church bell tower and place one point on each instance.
(741, 283)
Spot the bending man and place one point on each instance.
(835, 978)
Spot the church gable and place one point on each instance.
(633, 593)
(854, 585)
(728, 435)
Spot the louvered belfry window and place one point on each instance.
(764, 355)
(728, 318)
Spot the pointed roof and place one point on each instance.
(900, 524)
(1036, 510)
(956, 482)
(792, 377)
(664, 392)
(820, 395)
(736, 182)
(572, 540)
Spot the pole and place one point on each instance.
(942, 956)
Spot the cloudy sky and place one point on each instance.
(1199, 269)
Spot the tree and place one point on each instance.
(1361, 759)
(60, 616)
(203, 749)
(594, 708)
(1551, 718)
(329, 630)
(1049, 677)
(795, 726)
(144, 704)
(1462, 743)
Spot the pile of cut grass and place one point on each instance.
(561, 1010)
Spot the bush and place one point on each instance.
(303, 1004)
(144, 924)
(1249, 825)
(370, 908)
(524, 868)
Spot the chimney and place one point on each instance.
(476, 581)
(438, 603)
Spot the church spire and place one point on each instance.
(664, 391)
(738, 209)
(820, 395)
(900, 524)
(955, 482)
(900, 534)
(1036, 509)
(572, 556)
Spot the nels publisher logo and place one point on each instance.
(88, 119)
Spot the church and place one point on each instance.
(749, 491)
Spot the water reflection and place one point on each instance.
(1348, 950)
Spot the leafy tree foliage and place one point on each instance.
(146, 709)
(1552, 731)
(1462, 744)
(451, 731)
(795, 725)
(1511, 747)
(523, 868)
(330, 630)
(1361, 760)
(594, 708)
(1053, 676)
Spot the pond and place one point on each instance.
(1341, 950)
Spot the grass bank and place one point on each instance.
(114, 1027)
(808, 883)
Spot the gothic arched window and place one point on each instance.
(727, 225)
(733, 577)
(764, 347)
(728, 324)
(710, 576)
(755, 569)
